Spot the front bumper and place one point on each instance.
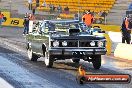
(77, 52)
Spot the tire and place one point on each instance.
(76, 60)
(96, 60)
(31, 55)
(48, 60)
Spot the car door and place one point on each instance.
(34, 37)
(39, 38)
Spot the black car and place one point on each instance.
(64, 40)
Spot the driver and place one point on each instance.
(51, 26)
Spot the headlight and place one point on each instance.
(64, 43)
(56, 43)
(92, 43)
(100, 43)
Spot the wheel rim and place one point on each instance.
(71, 60)
(74, 60)
(30, 54)
(47, 60)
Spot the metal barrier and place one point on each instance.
(123, 51)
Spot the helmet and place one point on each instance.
(87, 12)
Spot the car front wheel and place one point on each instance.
(48, 60)
(31, 55)
(96, 60)
(75, 60)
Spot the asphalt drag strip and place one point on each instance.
(62, 74)
(22, 73)
(27, 74)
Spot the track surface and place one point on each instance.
(17, 70)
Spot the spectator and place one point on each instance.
(130, 6)
(100, 13)
(26, 24)
(51, 7)
(76, 16)
(59, 9)
(30, 4)
(104, 14)
(1, 19)
(33, 10)
(88, 19)
(66, 9)
(31, 17)
(44, 4)
(37, 3)
(126, 32)
(26, 15)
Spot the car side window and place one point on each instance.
(39, 28)
(34, 27)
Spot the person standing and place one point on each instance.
(1, 19)
(76, 16)
(59, 9)
(37, 3)
(30, 4)
(88, 19)
(26, 24)
(51, 8)
(66, 9)
(31, 23)
(33, 10)
(104, 14)
(44, 4)
(126, 30)
(31, 17)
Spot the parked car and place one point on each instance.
(64, 40)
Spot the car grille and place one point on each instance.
(72, 44)
(84, 44)
(77, 43)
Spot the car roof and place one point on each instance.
(62, 21)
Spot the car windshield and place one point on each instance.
(59, 26)
(63, 26)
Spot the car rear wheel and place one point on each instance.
(96, 60)
(48, 60)
(31, 55)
